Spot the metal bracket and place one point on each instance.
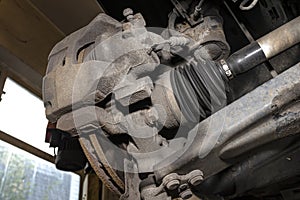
(132, 181)
(182, 11)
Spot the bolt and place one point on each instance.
(183, 187)
(196, 180)
(151, 116)
(172, 185)
(171, 181)
(186, 194)
(196, 177)
(128, 13)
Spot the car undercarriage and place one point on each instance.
(181, 99)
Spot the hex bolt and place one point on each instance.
(186, 194)
(171, 181)
(183, 187)
(196, 180)
(128, 13)
(173, 184)
(196, 177)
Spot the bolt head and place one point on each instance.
(186, 194)
(196, 180)
(173, 184)
(127, 12)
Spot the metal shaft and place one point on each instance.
(264, 48)
(281, 39)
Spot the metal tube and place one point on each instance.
(264, 48)
(245, 59)
(281, 38)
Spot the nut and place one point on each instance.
(186, 194)
(127, 12)
(183, 187)
(171, 181)
(173, 184)
(196, 177)
(196, 180)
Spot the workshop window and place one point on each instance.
(27, 177)
(22, 115)
(24, 176)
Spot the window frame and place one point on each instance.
(3, 77)
(9, 139)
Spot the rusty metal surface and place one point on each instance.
(281, 124)
(210, 35)
(98, 167)
(132, 181)
(58, 95)
(90, 115)
(274, 42)
(207, 139)
(105, 87)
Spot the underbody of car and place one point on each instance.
(174, 99)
